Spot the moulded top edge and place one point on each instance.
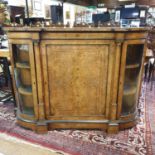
(74, 29)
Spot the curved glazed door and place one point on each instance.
(131, 71)
(22, 56)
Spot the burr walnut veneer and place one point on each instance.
(77, 77)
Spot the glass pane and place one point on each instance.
(134, 54)
(132, 71)
(23, 78)
(26, 104)
(130, 91)
(21, 53)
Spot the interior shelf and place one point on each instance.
(25, 90)
(132, 66)
(129, 89)
(23, 65)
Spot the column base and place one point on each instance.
(41, 128)
(113, 128)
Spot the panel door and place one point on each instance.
(75, 78)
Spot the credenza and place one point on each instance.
(84, 78)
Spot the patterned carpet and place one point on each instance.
(139, 140)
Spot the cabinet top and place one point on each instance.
(75, 29)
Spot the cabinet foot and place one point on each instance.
(41, 128)
(113, 128)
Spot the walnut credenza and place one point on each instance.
(77, 77)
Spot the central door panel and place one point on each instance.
(77, 79)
